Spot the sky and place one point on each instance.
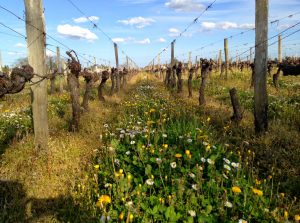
(144, 28)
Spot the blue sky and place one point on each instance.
(142, 28)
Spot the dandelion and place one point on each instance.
(211, 162)
(225, 176)
(236, 189)
(129, 204)
(203, 160)
(96, 166)
(194, 186)
(121, 216)
(150, 182)
(192, 175)
(131, 217)
(297, 217)
(173, 165)
(257, 192)
(242, 221)
(152, 110)
(282, 195)
(187, 152)
(103, 199)
(235, 165)
(226, 161)
(105, 125)
(189, 140)
(165, 146)
(286, 214)
(129, 177)
(228, 204)
(192, 213)
(178, 155)
(164, 135)
(158, 160)
(107, 185)
(127, 153)
(132, 142)
(227, 167)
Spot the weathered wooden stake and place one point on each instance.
(59, 70)
(237, 111)
(35, 30)
(172, 53)
(190, 60)
(118, 80)
(52, 73)
(261, 57)
(279, 49)
(226, 57)
(250, 56)
(220, 61)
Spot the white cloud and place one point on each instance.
(138, 22)
(161, 40)
(49, 53)
(20, 45)
(174, 32)
(207, 26)
(122, 40)
(144, 41)
(76, 32)
(85, 19)
(14, 53)
(184, 5)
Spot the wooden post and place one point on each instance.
(220, 60)
(59, 70)
(250, 56)
(279, 49)
(226, 57)
(237, 111)
(190, 60)
(260, 75)
(52, 74)
(118, 81)
(36, 39)
(172, 53)
(127, 62)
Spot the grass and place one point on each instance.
(67, 185)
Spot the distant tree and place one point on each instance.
(5, 69)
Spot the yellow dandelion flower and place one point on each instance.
(178, 155)
(236, 189)
(297, 217)
(121, 171)
(165, 146)
(96, 167)
(208, 119)
(152, 110)
(187, 152)
(121, 216)
(281, 194)
(257, 192)
(129, 177)
(286, 214)
(131, 217)
(257, 182)
(103, 200)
